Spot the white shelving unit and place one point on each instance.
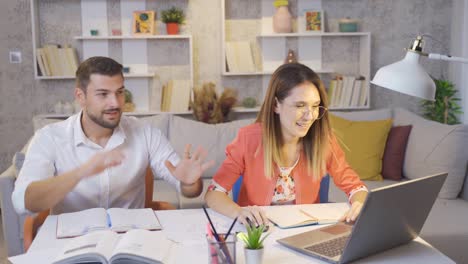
(273, 47)
(134, 49)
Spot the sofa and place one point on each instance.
(445, 228)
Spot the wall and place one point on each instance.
(459, 48)
(393, 25)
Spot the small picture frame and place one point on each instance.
(143, 23)
(313, 21)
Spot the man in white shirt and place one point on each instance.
(98, 158)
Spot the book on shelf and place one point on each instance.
(363, 96)
(42, 63)
(357, 90)
(180, 95)
(135, 246)
(239, 56)
(176, 96)
(331, 91)
(311, 214)
(51, 52)
(348, 83)
(115, 219)
(57, 60)
(336, 97)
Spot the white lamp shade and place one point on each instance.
(406, 76)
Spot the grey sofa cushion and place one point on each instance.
(433, 147)
(213, 138)
(379, 114)
(160, 121)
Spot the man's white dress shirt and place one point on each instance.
(63, 146)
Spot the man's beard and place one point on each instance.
(100, 120)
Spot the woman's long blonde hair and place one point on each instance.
(315, 143)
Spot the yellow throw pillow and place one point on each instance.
(363, 143)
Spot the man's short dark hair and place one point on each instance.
(100, 65)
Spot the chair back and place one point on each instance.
(323, 192)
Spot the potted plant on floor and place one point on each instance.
(253, 240)
(445, 109)
(173, 17)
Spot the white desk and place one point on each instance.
(188, 228)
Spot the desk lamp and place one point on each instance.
(408, 76)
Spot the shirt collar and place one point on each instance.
(117, 138)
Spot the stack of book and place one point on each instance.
(54, 60)
(176, 96)
(348, 91)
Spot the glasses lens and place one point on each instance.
(321, 111)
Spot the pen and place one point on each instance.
(218, 238)
(230, 228)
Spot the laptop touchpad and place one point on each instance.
(336, 229)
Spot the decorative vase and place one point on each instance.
(253, 256)
(172, 28)
(282, 21)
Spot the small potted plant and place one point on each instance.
(173, 17)
(253, 240)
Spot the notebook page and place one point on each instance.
(82, 222)
(324, 212)
(288, 216)
(125, 219)
(143, 244)
(96, 245)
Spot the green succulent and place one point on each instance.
(253, 238)
(173, 15)
(445, 109)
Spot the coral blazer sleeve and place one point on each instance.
(342, 174)
(234, 164)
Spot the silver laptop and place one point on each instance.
(391, 216)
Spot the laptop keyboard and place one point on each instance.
(330, 248)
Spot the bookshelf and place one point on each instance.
(146, 56)
(327, 53)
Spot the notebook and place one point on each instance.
(303, 215)
(135, 246)
(116, 219)
(391, 216)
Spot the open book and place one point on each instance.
(303, 215)
(115, 219)
(135, 246)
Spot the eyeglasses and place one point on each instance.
(317, 111)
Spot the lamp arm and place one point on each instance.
(436, 56)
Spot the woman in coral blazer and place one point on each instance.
(285, 153)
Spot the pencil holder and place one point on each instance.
(221, 251)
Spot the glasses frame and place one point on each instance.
(319, 109)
